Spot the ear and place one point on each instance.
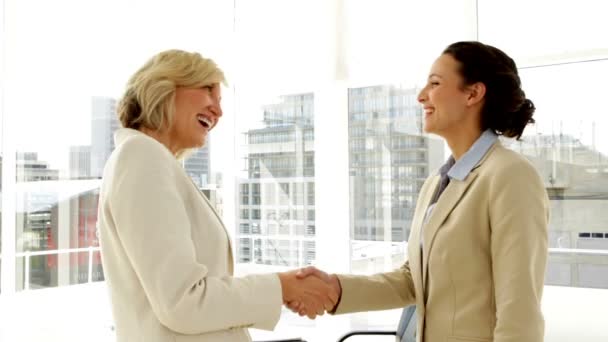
(477, 92)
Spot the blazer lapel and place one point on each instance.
(230, 257)
(415, 255)
(447, 202)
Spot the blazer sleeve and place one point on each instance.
(519, 214)
(380, 291)
(155, 232)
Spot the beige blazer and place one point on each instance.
(485, 244)
(167, 257)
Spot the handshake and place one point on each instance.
(309, 291)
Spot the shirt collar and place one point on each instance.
(460, 170)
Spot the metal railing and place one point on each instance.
(27, 254)
(579, 251)
(90, 250)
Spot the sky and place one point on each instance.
(59, 55)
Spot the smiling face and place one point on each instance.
(197, 111)
(446, 102)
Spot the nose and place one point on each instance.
(422, 96)
(216, 109)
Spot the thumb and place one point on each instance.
(306, 271)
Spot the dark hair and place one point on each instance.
(506, 110)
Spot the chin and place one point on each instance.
(198, 141)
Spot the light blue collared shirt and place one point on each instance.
(459, 170)
(473, 156)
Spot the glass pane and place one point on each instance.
(279, 159)
(389, 156)
(568, 30)
(198, 167)
(389, 160)
(2, 76)
(97, 269)
(58, 165)
(569, 149)
(395, 41)
(54, 215)
(42, 271)
(79, 267)
(274, 108)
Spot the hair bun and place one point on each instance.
(520, 119)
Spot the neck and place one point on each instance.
(161, 136)
(461, 141)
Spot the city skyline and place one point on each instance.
(276, 208)
(385, 129)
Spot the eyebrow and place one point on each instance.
(431, 75)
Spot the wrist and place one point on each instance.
(285, 284)
(335, 281)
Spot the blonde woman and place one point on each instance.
(166, 254)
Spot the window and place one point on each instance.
(244, 228)
(310, 191)
(311, 165)
(56, 168)
(269, 195)
(570, 153)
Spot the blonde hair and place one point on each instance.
(148, 100)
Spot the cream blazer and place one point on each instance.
(167, 257)
(486, 247)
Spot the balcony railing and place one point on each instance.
(28, 254)
(90, 250)
(578, 251)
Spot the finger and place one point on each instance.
(329, 305)
(321, 275)
(333, 294)
(329, 297)
(315, 307)
(293, 306)
(303, 308)
(305, 272)
(319, 309)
